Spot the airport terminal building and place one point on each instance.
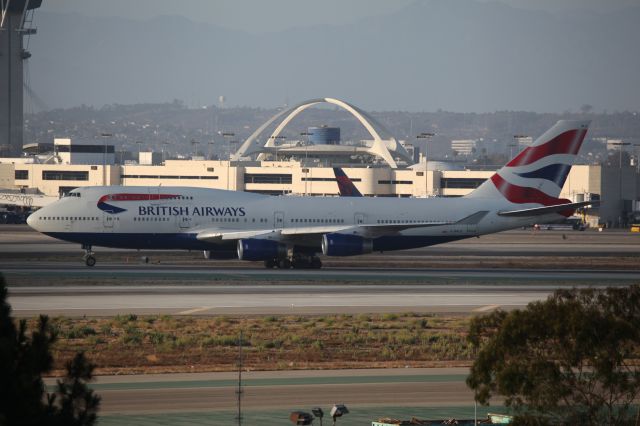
(297, 168)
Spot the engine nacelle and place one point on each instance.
(219, 255)
(345, 245)
(257, 249)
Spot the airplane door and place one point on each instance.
(359, 218)
(107, 221)
(184, 222)
(278, 220)
(154, 195)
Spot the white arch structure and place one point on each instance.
(384, 144)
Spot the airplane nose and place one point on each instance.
(31, 220)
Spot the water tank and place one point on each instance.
(324, 135)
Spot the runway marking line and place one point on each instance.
(195, 310)
(486, 308)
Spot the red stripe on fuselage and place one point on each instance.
(568, 142)
(136, 197)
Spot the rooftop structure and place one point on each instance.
(382, 145)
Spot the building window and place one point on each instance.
(267, 178)
(209, 169)
(326, 179)
(64, 190)
(395, 182)
(86, 149)
(461, 183)
(168, 177)
(419, 173)
(64, 175)
(22, 174)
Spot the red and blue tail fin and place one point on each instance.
(345, 185)
(538, 173)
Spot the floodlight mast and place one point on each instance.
(317, 411)
(338, 410)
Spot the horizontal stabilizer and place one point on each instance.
(539, 211)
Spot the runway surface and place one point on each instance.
(46, 276)
(250, 299)
(16, 241)
(288, 390)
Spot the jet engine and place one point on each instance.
(257, 249)
(345, 245)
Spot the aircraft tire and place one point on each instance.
(90, 261)
(284, 264)
(300, 264)
(270, 263)
(316, 263)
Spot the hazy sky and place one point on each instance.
(457, 55)
(274, 15)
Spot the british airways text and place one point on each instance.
(190, 211)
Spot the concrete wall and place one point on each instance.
(7, 175)
(583, 180)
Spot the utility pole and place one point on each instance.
(239, 390)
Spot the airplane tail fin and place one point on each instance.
(537, 174)
(345, 185)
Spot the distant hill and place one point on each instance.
(457, 55)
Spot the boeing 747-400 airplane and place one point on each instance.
(290, 231)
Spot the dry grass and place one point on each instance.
(132, 344)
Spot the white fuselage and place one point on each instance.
(174, 217)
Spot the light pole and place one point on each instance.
(227, 136)
(139, 143)
(306, 144)
(104, 136)
(195, 143)
(275, 142)
(164, 144)
(427, 136)
(620, 145)
(511, 146)
(210, 143)
(338, 410)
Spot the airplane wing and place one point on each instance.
(371, 230)
(538, 211)
(219, 235)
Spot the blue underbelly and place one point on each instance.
(166, 241)
(186, 241)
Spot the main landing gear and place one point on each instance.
(296, 262)
(89, 258)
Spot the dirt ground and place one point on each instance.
(130, 344)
